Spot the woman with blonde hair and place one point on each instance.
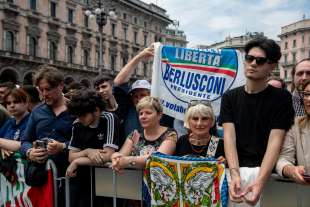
(200, 139)
(154, 137)
(294, 159)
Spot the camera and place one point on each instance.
(42, 143)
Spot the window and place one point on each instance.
(135, 20)
(145, 40)
(285, 74)
(294, 43)
(113, 61)
(303, 38)
(70, 54)
(70, 15)
(135, 37)
(285, 58)
(113, 30)
(9, 41)
(285, 45)
(145, 69)
(125, 60)
(86, 21)
(86, 57)
(125, 33)
(53, 9)
(10, 1)
(33, 4)
(145, 24)
(52, 50)
(32, 46)
(294, 57)
(124, 16)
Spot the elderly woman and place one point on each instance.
(16, 102)
(200, 140)
(154, 137)
(294, 159)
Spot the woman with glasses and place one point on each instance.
(200, 139)
(16, 102)
(139, 145)
(294, 159)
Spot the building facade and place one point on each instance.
(175, 37)
(295, 46)
(57, 32)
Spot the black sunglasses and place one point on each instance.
(258, 60)
(196, 102)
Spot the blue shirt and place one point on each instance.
(44, 123)
(11, 130)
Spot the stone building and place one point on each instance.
(175, 37)
(57, 32)
(295, 46)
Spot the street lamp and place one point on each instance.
(101, 20)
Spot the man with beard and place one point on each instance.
(300, 73)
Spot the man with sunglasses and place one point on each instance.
(255, 118)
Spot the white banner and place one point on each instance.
(181, 75)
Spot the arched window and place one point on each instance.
(9, 41)
(32, 46)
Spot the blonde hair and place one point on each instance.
(199, 109)
(150, 102)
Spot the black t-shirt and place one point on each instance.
(106, 134)
(254, 116)
(184, 147)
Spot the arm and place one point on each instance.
(232, 160)
(169, 144)
(10, 145)
(126, 72)
(287, 159)
(271, 155)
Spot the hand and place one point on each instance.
(6, 153)
(252, 193)
(71, 170)
(38, 155)
(54, 147)
(296, 173)
(147, 52)
(117, 162)
(94, 156)
(235, 186)
(221, 159)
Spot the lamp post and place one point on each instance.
(101, 20)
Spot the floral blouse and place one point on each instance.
(142, 146)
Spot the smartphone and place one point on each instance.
(41, 144)
(306, 177)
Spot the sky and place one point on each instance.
(210, 21)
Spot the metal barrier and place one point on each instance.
(278, 192)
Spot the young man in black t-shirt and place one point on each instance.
(255, 118)
(94, 139)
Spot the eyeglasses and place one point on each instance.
(196, 102)
(304, 94)
(258, 60)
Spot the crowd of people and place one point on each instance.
(123, 125)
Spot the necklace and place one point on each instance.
(200, 150)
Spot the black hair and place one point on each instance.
(85, 101)
(269, 46)
(101, 79)
(33, 93)
(9, 85)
